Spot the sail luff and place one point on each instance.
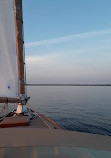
(20, 43)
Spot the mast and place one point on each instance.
(20, 44)
(20, 53)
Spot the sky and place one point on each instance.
(67, 41)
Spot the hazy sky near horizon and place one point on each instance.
(67, 41)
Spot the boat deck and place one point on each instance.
(41, 137)
(39, 121)
(51, 143)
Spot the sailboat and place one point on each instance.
(25, 132)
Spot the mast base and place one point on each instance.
(22, 105)
(21, 108)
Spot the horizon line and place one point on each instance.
(34, 84)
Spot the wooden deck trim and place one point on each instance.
(54, 124)
(50, 123)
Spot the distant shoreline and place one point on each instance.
(68, 84)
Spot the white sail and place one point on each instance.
(9, 82)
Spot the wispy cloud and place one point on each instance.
(36, 60)
(67, 38)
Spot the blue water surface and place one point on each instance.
(83, 109)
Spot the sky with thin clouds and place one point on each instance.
(67, 41)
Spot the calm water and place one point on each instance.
(84, 109)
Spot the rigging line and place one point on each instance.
(50, 127)
(3, 108)
(24, 60)
(39, 115)
(32, 107)
(6, 109)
